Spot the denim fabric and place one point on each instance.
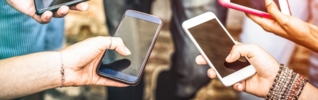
(21, 34)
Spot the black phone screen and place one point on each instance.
(216, 44)
(138, 36)
(255, 4)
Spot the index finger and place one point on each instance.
(273, 10)
(118, 45)
(200, 60)
(83, 6)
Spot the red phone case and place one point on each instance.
(245, 9)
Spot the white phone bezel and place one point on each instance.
(231, 79)
(283, 4)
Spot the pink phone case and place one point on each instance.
(245, 9)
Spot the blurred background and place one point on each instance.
(82, 25)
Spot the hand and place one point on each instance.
(81, 60)
(287, 26)
(27, 7)
(266, 69)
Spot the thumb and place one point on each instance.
(118, 45)
(240, 50)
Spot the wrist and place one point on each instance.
(64, 71)
(287, 85)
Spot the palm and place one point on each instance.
(83, 58)
(266, 67)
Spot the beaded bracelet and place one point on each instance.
(287, 85)
(62, 71)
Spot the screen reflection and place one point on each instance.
(216, 45)
(137, 35)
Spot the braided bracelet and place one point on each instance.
(287, 85)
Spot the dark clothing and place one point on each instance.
(185, 77)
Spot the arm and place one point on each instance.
(267, 69)
(309, 93)
(288, 27)
(32, 73)
(29, 74)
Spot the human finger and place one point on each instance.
(262, 61)
(239, 86)
(108, 82)
(200, 60)
(44, 18)
(211, 73)
(269, 25)
(273, 10)
(61, 12)
(83, 6)
(240, 50)
(118, 45)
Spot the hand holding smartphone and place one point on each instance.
(139, 32)
(52, 5)
(256, 7)
(215, 44)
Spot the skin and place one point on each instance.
(27, 7)
(24, 75)
(289, 27)
(266, 66)
(260, 83)
(266, 70)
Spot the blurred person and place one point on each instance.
(280, 48)
(73, 66)
(313, 57)
(184, 78)
(22, 32)
(114, 9)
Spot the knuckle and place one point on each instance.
(254, 46)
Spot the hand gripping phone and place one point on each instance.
(215, 43)
(256, 7)
(45, 5)
(139, 32)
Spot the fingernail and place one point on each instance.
(127, 51)
(238, 87)
(229, 56)
(268, 2)
(210, 71)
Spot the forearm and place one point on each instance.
(29, 74)
(309, 93)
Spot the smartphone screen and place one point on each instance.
(255, 4)
(216, 44)
(138, 35)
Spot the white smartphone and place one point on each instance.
(215, 43)
(256, 7)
